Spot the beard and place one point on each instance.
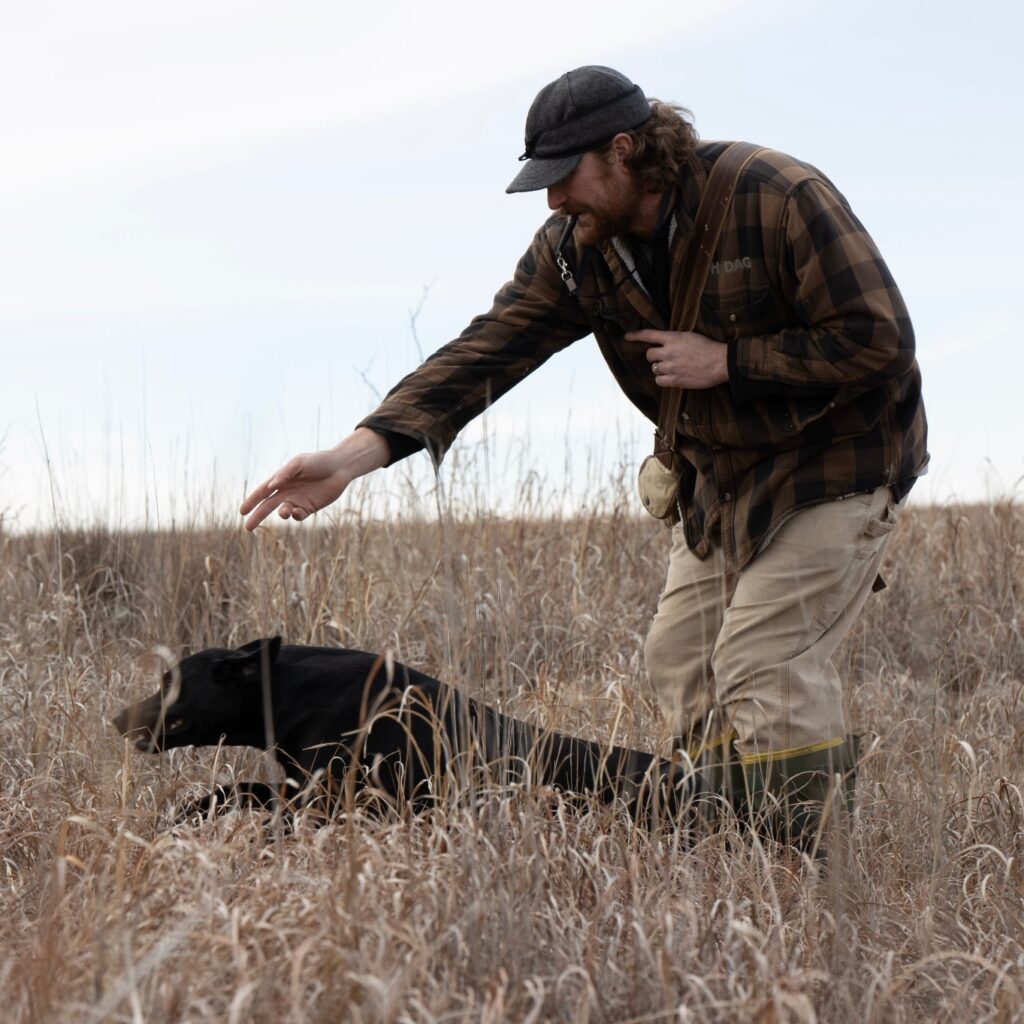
(613, 215)
(594, 226)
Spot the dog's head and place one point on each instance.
(208, 696)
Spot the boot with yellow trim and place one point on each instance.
(796, 796)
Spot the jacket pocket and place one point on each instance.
(738, 312)
(780, 421)
(802, 412)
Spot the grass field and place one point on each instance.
(516, 908)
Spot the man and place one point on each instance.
(801, 427)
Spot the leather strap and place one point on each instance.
(714, 205)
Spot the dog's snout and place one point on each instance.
(134, 718)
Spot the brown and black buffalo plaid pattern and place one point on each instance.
(824, 392)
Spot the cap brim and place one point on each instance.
(537, 173)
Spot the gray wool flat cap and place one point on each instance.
(578, 112)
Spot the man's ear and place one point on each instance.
(246, 664)
(622, 146)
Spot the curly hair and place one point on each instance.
(661, 146)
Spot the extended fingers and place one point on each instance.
(285, 509)
(263, 500)
(647, 336)
(259, 513)
(272, 484)
(656, 350)
(256, 496)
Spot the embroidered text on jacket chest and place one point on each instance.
(731, 266)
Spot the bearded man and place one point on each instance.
(801, 427)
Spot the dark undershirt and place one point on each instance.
(654, 267)
(652, 258)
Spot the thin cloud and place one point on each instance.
(118, 88)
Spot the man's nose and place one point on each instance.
(556, 197)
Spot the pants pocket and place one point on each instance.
(881, 522)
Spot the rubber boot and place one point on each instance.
(793, 799)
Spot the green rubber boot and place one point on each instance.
(794, 799)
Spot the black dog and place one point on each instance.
(341, 722)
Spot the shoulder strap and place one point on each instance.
(714, 205)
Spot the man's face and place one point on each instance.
(603, 196)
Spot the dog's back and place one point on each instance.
(342, 717)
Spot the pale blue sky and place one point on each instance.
(216, 218)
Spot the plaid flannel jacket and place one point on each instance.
(824, 391)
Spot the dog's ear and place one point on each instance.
(246, 664)
(253, 648)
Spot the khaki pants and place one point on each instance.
(748, 655)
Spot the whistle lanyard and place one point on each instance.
(563, 266)
(655, 264)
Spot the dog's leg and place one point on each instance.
(222, 799)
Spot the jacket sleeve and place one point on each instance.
(533, 317)
(855, 332)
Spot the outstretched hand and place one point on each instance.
(683, 359)
(311, 481)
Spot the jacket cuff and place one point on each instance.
(745, 390)
(400, 445)
(741, 357)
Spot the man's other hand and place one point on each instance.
(310, 482)
(683, 359)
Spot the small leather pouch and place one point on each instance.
(658, 483)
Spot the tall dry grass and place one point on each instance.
(517, 908)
